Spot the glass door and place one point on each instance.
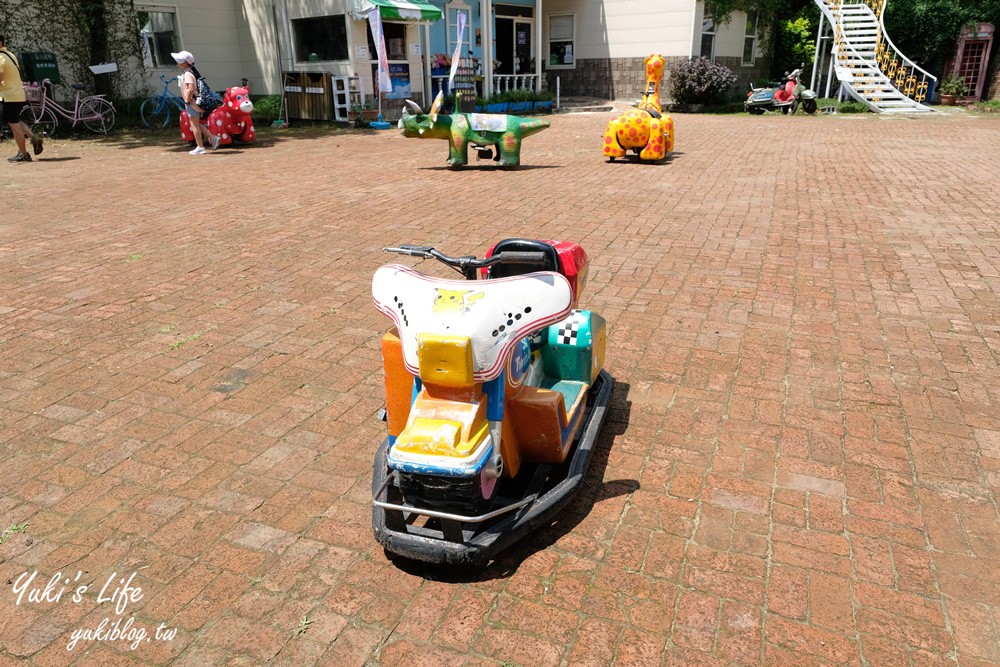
(524, 48)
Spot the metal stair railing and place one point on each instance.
(910, 86)
(844, 60)
(901, 73)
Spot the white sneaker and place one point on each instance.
(216, 138)
(198, 151)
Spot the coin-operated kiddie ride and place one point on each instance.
(646, 130)
(231, 121)
(486, 132)
(495, 395)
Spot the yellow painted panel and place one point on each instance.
(445, 360)
(438, 437)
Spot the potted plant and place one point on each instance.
(952, 87)
(496, 103)
(518, 99)
(480, 104)
(362, 113)
(543, 100)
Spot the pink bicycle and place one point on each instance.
(42, 112)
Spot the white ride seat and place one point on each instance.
(493, 313)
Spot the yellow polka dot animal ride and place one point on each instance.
(645, 129)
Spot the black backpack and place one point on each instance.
(207, 98)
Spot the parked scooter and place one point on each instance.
(785, 96)
(495, 395)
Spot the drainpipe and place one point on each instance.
(829, 77)
(288, 35)
(819, 41)
(277, 53)
(427, 64)
(486, 17)
(538, 47)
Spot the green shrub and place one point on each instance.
(516, 95)
(266, 108)
(700, 81)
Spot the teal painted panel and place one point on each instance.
(568, 352)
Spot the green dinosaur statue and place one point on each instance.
(499, 130)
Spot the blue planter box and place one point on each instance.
(479, 108)
(497, 108)
(520, 106)
(543, 106)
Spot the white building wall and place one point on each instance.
(235, 39)
(211, 31)
(628, 28)
(728, 36)
(636, 28)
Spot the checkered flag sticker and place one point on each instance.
(569, 328)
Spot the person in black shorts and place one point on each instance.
(12, 94)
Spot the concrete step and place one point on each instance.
(574, 104)
(584, 109)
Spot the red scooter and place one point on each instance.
(786, 97)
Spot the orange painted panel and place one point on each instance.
(538, 416)
(398, 383)
(509, 448)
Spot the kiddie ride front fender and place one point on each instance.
(495, 396)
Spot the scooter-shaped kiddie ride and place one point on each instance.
(786, 97)
(495, 395)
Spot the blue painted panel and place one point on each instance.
(442, 469)
(495, 390)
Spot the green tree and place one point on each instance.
(789, 27)
(85, 32)
(795, 39)
(926, 31)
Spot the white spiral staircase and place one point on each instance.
(868, 64)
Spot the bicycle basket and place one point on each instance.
(33, 92)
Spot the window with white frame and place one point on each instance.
(708, 38)
(562, 41)
(454, 10)
(750, 39)
(320, 38)
(158, 34)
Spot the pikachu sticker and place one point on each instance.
(455, 301)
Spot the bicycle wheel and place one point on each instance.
(155, 112)
(42, 122)
(97, 114)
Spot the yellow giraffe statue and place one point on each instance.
(644, 129)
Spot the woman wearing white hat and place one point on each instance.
(189, 91)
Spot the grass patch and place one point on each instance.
(304, 624)
(12, 530)
(851, 106)
(133, 258)
(190, 339)
(989, 106)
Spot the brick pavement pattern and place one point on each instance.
(801, 464)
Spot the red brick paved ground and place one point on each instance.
(801, 465)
